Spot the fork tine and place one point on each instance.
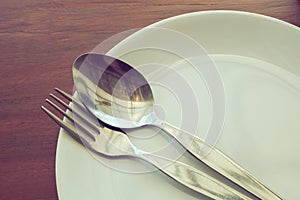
(76, 123)
(70, 98)
(91, 123)
(68, 127)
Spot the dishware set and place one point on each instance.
(108, 142)
(112, 96)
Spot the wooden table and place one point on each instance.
(39, 41)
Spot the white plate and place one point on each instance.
(258, 59)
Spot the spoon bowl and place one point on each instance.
(113, 91)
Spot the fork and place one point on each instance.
(108, 142)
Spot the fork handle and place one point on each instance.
(221, 163)
(193, 178)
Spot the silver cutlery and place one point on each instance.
(120, 96)
(105, 141)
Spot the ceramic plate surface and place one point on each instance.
(258, 61)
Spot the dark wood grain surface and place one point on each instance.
(39, 41)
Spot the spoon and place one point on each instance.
(120, 96)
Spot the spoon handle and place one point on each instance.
(219, 162)
(193, 178)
